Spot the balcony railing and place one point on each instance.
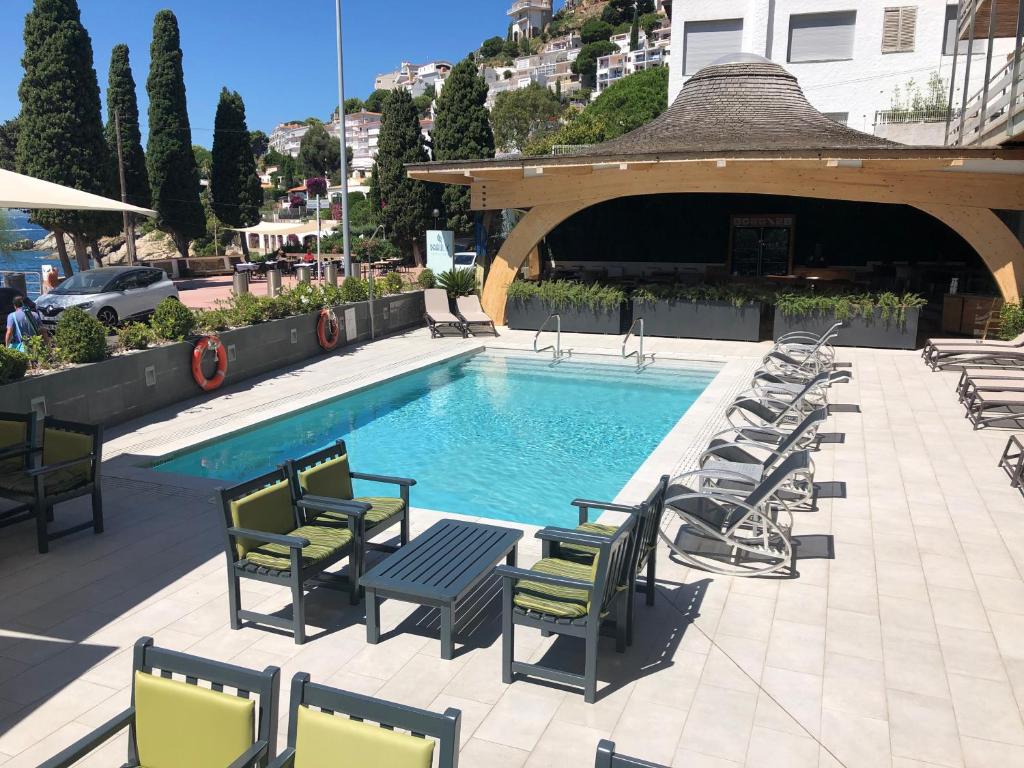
(996, 111)
(901, 116)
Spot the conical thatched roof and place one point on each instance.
(743, 104)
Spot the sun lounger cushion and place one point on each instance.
(553, 600)
(324, 542)
(268, 509)
(332, 479)
(18, 484)
(334, 741)
(177, 724)
(59, 446)
(581, 552)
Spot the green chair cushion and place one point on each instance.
(581, 552)
(336, 741)
(177, 724)
(382, 508)
(268, 509)
(21, 486)
(332, 479)
(324, 542)
(12, 434)
(60, 445)
(553, 600)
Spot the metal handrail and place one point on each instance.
(640, 357)
(557, 348)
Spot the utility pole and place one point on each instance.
(129, 220)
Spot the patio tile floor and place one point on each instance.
(906, 649)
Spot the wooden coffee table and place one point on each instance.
(438, 568)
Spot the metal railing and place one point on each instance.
(638, 353)
(998, 104)
(556, 349)
(901, 116)
(568, 149)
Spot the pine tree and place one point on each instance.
(121, 100)
(61, 136)
(173, 177)
(462, 131)
(234, 185)
(319, 152)
(404, 205)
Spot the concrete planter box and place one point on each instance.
(133, 384)
(529, 315)
(684, 319)
(856, 331)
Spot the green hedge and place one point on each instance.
(1011, 319)
(563, 294)
(13, 365)
(80, 337)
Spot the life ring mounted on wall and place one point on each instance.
(211, 343)
(328, 330)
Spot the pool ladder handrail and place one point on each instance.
(556, 349)
(639, 353)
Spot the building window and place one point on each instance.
(839, 117)
(952, 32)
(821, 36)
(899, 29)
(708, 41)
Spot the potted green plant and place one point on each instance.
(733, 312)
(583, 307)
(883, 320)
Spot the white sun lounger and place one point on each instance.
(438, 314)
(985, 407)
(472, 313)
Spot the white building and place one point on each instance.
(362, 130)
(286, 137)
(415, 78)
(653, 51)
(852, 57)
(529, 17)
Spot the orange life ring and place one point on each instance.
(327, 322)
(211, 343)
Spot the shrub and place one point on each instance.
(737, 295)
(890, 306)
(135, 336)
(392, 283)
(426, 279)
(562, 294)
(13, 365)
(41, 353)
(246, 309)
(172, 320)
(1011, 320)
(458, 282)
(211, 320)
(80, 337)
(354, 289)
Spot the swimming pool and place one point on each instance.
(504, 436)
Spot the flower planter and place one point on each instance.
(133, 384)
(684, 319)
(530, 314)
(870, 331)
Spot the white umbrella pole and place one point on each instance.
(319, 260)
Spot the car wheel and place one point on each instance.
(107, 316)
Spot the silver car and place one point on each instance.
(110, 294)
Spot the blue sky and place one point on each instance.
(279, 55)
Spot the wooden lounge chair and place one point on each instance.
(471, 313)
(607, 758)
(645, 538)
(986, 407)
(327, 473)
(175, 721)
(273, 538)
(329, 727)
(724, 526)
(70, 455)
(438, 315)
(569, 598)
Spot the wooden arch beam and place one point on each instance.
(993, 241)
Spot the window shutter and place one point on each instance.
(899, 29)
(707, 41)
(821, 36)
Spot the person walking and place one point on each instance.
(22, 324)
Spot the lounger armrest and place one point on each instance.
(567, 536)
(293, 542)
(605, 505)
(347, 507)
(90, 741)
(21, 450)
(713, 474)
(744, 445)
(48, 468)
(285, 760)
(252, 756)
(406, 481)
(511, 572)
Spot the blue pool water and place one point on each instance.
(501, 436)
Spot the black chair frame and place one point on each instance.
(246, 682)
(607, 758)
(419, 722)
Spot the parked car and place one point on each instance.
(110, 294)
(7, 296)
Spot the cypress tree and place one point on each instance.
(235, 187)
(122, 101)
(462, 131)
(61, 135)
(404, 205)
(173, 176)
(634, 32)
